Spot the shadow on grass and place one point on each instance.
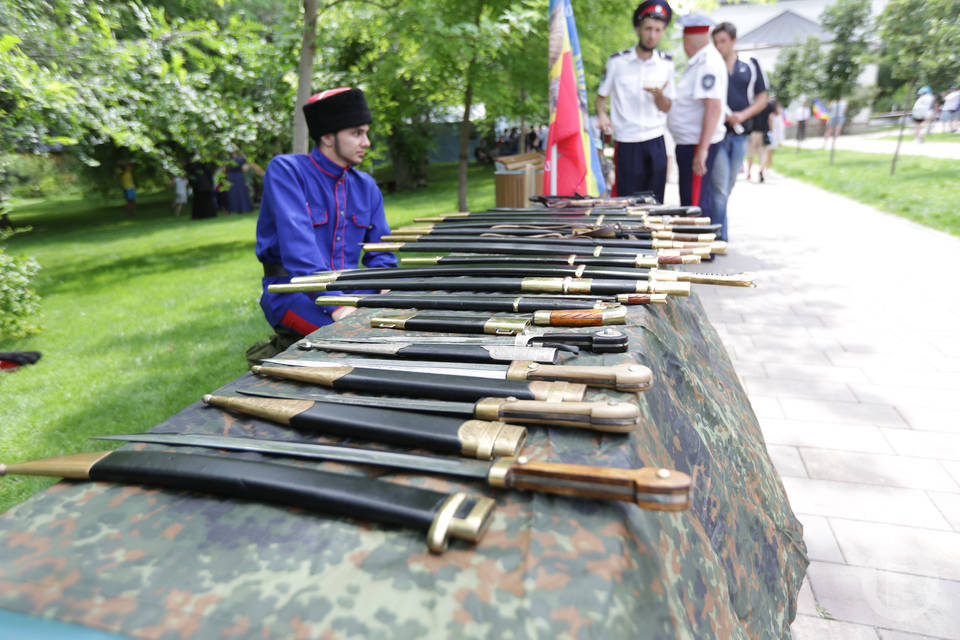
(105, 274)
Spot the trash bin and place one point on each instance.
(517, 178)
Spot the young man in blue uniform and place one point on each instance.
(746, 97)
(318, 210)
(639, 83)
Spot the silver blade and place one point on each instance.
(506, 353)
(404, 404)
(492, 371)
(340, 453)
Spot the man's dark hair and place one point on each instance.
(727, 27)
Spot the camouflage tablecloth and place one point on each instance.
(163, 564)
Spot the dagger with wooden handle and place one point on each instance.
(654, 488)
(438, 514)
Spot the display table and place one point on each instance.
(153, 563)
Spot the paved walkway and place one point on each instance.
(875, 143)
(850, 352)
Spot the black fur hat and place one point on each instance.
(336, 109)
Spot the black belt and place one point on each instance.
(274, 270)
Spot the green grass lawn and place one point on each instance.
(922, 189)
(143, 316)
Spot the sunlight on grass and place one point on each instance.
(922, 189)
(143, 316)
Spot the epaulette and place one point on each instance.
(620, 53)
(665, 55)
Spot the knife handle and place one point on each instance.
(581, 317)
(613, 417)
(652, 488)
(628, 376)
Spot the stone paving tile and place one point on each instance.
(793, 371)
(806, 603)
(921, 378)
(801, 433)
(905, 549)
(926, 444)
(787, 460)
(774, 355)
(949, 505)
(872, 503)
(927, 419)
(816, 628)
(912, 397)
(782, 387)
(887, 634)
(887, 599)
(819, 538)
(845, 412)
(871, 468)
(953, 468)
(766, 407)
(906, 361)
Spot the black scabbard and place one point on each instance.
(562, 250)
(585, 244)
(432, 385)
(495, 270)
(334, 493)
(429, 284)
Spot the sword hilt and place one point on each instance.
(614, 417)
(652, 488)
(628, 376)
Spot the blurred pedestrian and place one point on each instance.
(922, 110)
(777, 134)
(951, 109)
(200, 175)
(179, 193)
(236, 195)
(803, 114)
(129, 187)
(838, 116)
(759, 139)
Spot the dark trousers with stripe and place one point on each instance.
(641, 166)
(696, 190)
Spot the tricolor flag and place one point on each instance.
(820, 112)
(572, 163)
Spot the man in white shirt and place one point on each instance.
(695, 121)
(951, 109)
(639, 83)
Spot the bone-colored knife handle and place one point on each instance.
(324, 376)
(649, 487)
(622, 377)
(613, 417)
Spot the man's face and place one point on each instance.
(350, 145)
(723, 42)
(649, 32)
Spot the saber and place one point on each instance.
(613, 417)
(519, 304)
(498, 324)
(458, 353)
(534, 230)
(521, 268)
(639, 261)
(628, 376)
(658, 489)
(523, 285)
(482, 439)
(579, 241)
(439, 515)
(427, 385)
(604, 341)
(661, 256)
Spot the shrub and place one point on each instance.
(19, 304)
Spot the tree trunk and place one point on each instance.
(903, 124)
(464, 156)
(308, 49)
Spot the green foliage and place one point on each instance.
(798, 71)
(19, 303)
(921, 42)
(849, 21)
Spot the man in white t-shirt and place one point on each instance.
(695, 121)
(639, 83)
(951, 109)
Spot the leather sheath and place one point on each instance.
(324, 491)
(434, 246)
(432, 385)
(602, 287)
(545, 271)
(472, 303)
(582, 242)
(401, 428)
